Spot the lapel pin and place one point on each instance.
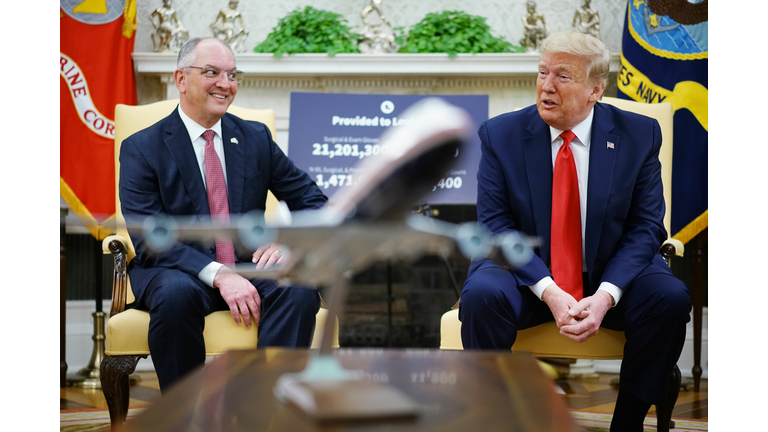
(234, 141)
(610, 145)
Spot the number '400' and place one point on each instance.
(448, 183)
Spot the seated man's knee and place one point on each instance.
(678, 299)
(485, 288)
(172, 294)
(292, 299)
(663, 296)
(307, 299)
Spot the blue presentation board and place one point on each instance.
(331, 133)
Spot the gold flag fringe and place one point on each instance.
(694, 228)
(99, 231)
(129, 18)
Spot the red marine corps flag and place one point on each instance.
(96, 74)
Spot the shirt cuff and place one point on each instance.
(613, 290)
(541, 285)
(209, 272)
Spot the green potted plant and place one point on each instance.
(453, 32)
(310, 31)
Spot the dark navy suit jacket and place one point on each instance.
(159, 173)
(625, 203)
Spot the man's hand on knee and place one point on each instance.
(587, 316)
(241, 296)
(268, 255)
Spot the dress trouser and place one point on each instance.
(178, 303)
(652, 313)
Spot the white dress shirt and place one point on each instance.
(580, 149)
(195, 131)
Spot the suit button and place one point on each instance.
(212, 250)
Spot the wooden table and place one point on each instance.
(455, 391)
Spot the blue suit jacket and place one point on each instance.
(625, 203)
(159, 173)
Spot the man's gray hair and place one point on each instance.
(188, 53)
(581, 44)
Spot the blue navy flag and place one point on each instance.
(664, 59)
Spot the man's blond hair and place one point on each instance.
(581, 44)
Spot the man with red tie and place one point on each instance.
(202, 161)
(584, 178)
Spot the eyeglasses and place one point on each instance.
(213, 73)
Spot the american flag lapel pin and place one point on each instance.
(234, 141)
(610, 145)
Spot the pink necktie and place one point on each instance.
(218, 203)
(566, 222)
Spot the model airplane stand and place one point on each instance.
(326, 391)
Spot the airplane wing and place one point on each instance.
(321, 246)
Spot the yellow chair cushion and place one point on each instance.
(127, 333)
(450, 331)
(320, 318)
(543, 340)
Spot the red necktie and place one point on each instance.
(218, 203)
(566, 222)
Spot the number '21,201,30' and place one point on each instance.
(348, 150)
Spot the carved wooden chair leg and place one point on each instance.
(115, 372)
(664, 413)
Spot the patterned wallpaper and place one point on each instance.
(504, 17)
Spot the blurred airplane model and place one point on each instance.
(366, 223)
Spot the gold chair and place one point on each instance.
(126, 334)
(545, 340)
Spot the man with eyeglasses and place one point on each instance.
(202, 161)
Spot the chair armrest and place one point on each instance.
(117, 246)
(114, 237)
(671, 247)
